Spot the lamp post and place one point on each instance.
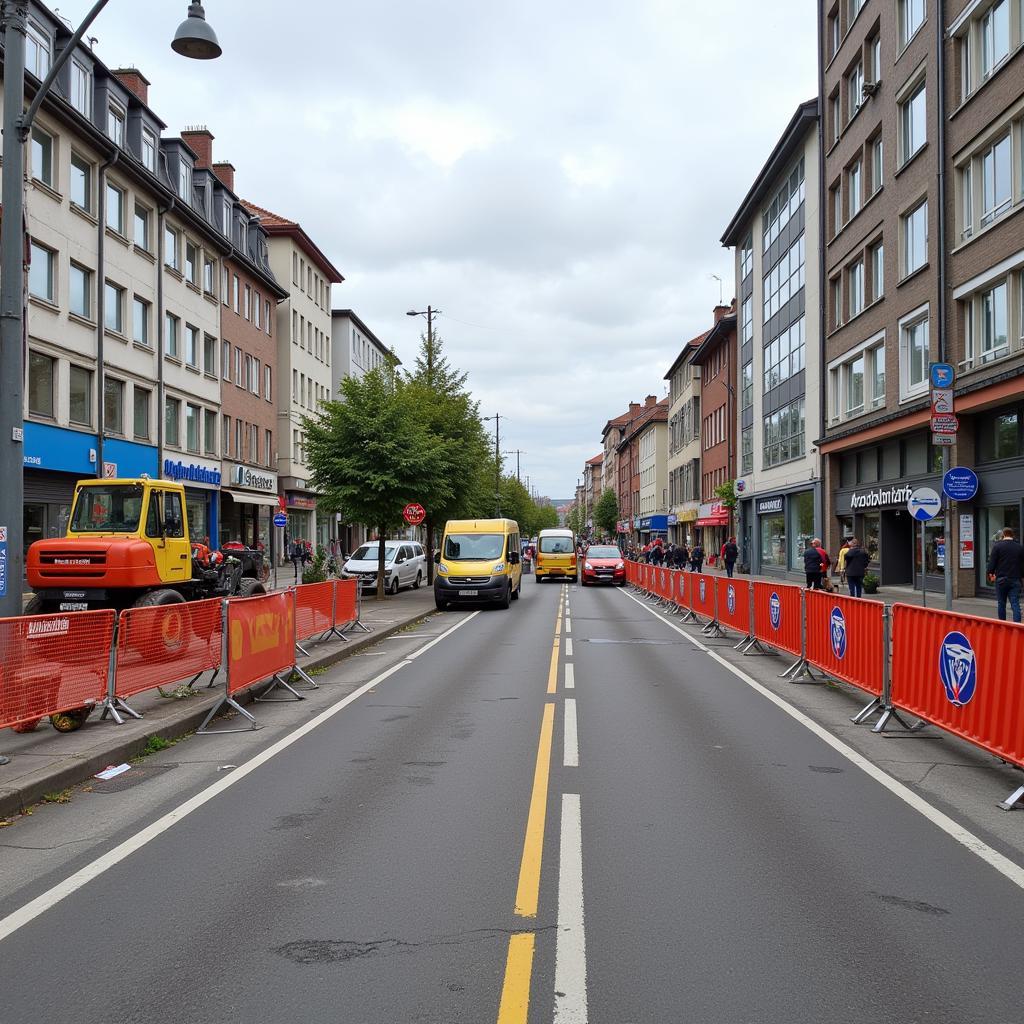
(194, 39)
(429, 313)
(497, 461)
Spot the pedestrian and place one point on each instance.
(697, 558)
(826, 562)
(730, 552)
(840, 569)
(854, 560)
(295, 554)
(1005, 568)
(813, 564)
(682, 556)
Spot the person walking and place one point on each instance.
(730, 552)
(854, 561)
(813, 564)
(295, 553)
(1005, 568)
(697, 558)
(840, 569)
(682, 556)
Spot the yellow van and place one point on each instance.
(479, 561)
(556, 554)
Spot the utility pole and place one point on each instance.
(429, 313)
(517, 452)
(497, 461)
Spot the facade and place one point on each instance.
(776, 234)
(683, 466)
(303, 365)
(634, 526)
(611, 435)
(716, 357)
(592, 479)
(652, 460)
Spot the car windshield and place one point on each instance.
(556, 545)
(108, 509)
(371, 552)
(603, 551)
(474, 547)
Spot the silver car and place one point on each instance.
(405, 565)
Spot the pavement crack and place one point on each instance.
(919, 905)
(55, 846)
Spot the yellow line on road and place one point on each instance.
(528, 893)
(553, 670)
(515, 993)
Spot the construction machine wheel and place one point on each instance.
(251, 588)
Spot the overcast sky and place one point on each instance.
(553, 176)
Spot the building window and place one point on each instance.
(172, 418)
(833, 34)
(235, 293)
(855, 89)
(915, 239)
(239, 450)
(80, 290)
(37, 50)
(876, 58)
(208, 276)
(784, 434)
(784, 355)
(42, 157)
(41, 272)
(912, 14)
(987, 325)
(266, 310)
(854, 184)
(80, 409)
(854, 403)
(171, 248)
(209, 355)
(225, 436)
(257, 311)
(835, 118)
(140, 412)
(115, 208)
(81, 182)
(113, 406)
(184, 181)
(747, 256)
(784, 204)
(268, 448)
(914, 354)
(225, 360)
(41, 374)
(855, 286)
(225, 217)
(209, 432)
(192, 263)
(192, 345)
(877, 171)
(995, 37)
(858, 383)
(171, 327)
(192, 414)
(747, 450)
(877, 256)
(238, 367)
(142, 228)
(913, 126)
(225, 291)
(140, 321)
(115, 124)
(81, 88)
(149, 147)
(996, 180)
(784, 280)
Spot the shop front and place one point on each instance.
(653, 527)
(713, 528)
(248, 504)
(202, 480)
(301, 515)
(782, 526)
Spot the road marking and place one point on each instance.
(568, 647)
(571, 747)
(568, 625)
(553, 668)
(570, 678)
(528, 892)
(515, 993)
(570, 944)
(31, 910)
(1006, 867)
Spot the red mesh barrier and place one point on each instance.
(702, 594)
(346, 608)
(51, 663)
(777, 616)
(662, 583)
(314, 605)
(261, 638)
(845, 638)
(683, 589)
(734, 603)
(961, 673)
(161, 645)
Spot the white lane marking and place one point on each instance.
(437, 640)
(1006, 867)
(568, 647)
(568, 624)
(570, 678)
(571, 746)
(570, 944)
(31, 910)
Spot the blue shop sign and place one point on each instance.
(654, 523)
(191, 472)
(71, 451)
(960, 484)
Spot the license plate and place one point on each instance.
(74, 606)
(469, 593)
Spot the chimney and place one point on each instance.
(226, 174)
(634, 407)
(134, 81)
(650, 401)
(721, 311)
(200, 141)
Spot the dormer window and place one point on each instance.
(37, 50)
(81, 88)
(184, 181)
(115, 123)
(149, 150)
(225, 220)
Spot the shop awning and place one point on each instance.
(251, 499)
(714, 521)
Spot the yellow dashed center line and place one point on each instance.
(528, 893)
(515, 993)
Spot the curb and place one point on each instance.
(14, 801)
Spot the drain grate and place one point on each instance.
(139, 773)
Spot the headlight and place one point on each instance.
(442, 569)
(498, 567)
(587, 565)
(621, 565)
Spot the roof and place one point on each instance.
(596, 460)
(645, 417)
(366, 330)
(276, 225)
(806, 114)
(717, 333)
(618, 421)
(686, 351)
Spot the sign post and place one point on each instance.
(945, 425)
(924, 504)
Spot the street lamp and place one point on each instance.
(195, 39)
(429, 313)
(497, 461)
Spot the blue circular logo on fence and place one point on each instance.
(958, 668)
(775, 610)
(730, 599)
(702, 590)
(837, 633)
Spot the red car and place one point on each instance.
(603, 563)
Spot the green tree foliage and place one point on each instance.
(574, 519)
(372, 452)
(606, 512)
(547, 518)
(726, 494)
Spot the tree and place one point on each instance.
(547, 518)
(371, 453)
(606, 513)
(574, 519)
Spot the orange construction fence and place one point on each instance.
(846, 638)
(314, 610)
(260, 639)
(682, 589)
(734, 604)
(346, 603)
(702, 594)
(777, 616)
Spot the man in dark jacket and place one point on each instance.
(856, 564)
(682, 556)
(730, 552)
(1005, 566)
(813, 565)
(697, 558)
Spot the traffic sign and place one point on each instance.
(943, 440)
(941, 375)
(280, 519)
(960, 484)
(944, 423)
(942, 401)
(414, 513)
(924, 504)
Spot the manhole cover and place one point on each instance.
(139, 773)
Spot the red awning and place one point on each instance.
(714, 521)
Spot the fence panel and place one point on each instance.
(159, 645)
(777, 616)
(683, 584)
(51, 663)
(314, 604)
(261, 638)
(346, 602)
(845, 638)
(663, 583)
(961, 673)
(734, 604)
(702, 594)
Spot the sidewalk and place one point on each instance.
(46, 761)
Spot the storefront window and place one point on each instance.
(990, 522)
(773, 541)
(872, 530)
(934, 550)
(801, 526)
(845, 528)
(198, 518)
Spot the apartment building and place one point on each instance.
(776, 237)
(611, 435)
(652, 461)
(303, 364)
(592, 480)
(683, 464)
(629, 427)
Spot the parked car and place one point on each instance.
(405, 565)
(603, 563)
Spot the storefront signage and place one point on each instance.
(672, 520)
(767, 505)
(622, 526)
(3, 561)
(300, 501)
(924, 503)
(191, 472)
(72, 451)
(960, 484)
(880, 496)
(654, 523)
(254, 480)
(966, 540)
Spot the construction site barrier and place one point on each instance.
(346, 604)
(734, 604)
(53, 663)
(702, 595)
(777, 616)
(663, 583)
(682, 589)
(314, 612)
(845, 638)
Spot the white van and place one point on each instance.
(405, 565)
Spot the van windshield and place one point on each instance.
(556, 545)
(115, 508)
(474, 547)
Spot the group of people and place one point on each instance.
(851, 565)
(680, 556)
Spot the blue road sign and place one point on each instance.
(924, 504)
(942, 375)
(280, 519)
(960, 484)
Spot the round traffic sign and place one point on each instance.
(280, 519)
(414, 513)
(924, 504)
(960, 484)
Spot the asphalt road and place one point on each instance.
(653, 841)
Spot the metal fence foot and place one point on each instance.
(890, 713)
(1012, 800)
(113, 705)
(302, 650)
(873, 708)
(358, 625)
(213, 678)
(274, 684)
(798, 670)
(232, 703)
